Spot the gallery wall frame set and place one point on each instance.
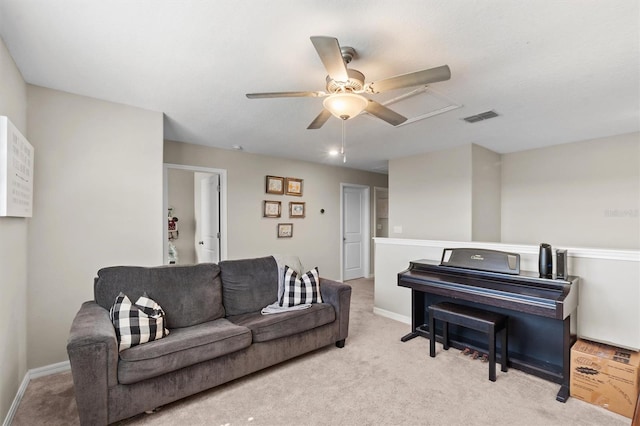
(284, 185)
(279, 185)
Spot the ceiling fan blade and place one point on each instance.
(286, 95)
(384, 113)
(320, 120)
(418, 78)
(328, 49)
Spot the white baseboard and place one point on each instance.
(16, 401)
(33, 374)
(47, 370)
(392, 315)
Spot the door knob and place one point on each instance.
(201, 243)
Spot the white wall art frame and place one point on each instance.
(16, 171)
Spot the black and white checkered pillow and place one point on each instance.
(137, 323)
(300, 289)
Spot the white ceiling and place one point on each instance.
(556, 71)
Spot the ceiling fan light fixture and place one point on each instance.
(345, 105)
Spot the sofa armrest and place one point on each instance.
(93, 353)
(339, 296)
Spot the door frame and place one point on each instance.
(366, 232)
(165, 204)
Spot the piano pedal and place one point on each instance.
(466, 352)
(484, 358)
(475, 355)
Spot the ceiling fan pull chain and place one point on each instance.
(344, 157)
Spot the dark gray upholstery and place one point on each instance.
(189, 360)
(189, 295)
(269, 327)
(249, 284)
(128, 400)
(182, 347)
(339, 296)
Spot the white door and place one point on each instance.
(353, 228)
(208, 247)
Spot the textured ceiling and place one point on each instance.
(555, 71)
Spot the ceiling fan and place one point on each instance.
(344, 88)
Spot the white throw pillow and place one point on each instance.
(292, 262)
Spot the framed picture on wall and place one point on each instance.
(275, 185)
(285, 230)
(271, 208)
(293, 186)
(296, 210)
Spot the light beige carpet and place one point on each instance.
(374, 380)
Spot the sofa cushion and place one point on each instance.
(189, 294)
(248, 284)
(300, 288)
(137, 323)
(269, 327)
(183, 347)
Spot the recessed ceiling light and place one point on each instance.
(237, 147)
(333, 152)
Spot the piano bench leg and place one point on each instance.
(492, 354)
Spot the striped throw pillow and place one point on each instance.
(301, 289)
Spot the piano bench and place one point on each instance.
(487, 322)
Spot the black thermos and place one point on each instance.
(545, 261)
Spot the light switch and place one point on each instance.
(397, 229)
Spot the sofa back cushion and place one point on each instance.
(189, 295)
(248, 285)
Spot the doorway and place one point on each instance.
(200, 198)
(355, 231)
(206, 197)
(381, 212)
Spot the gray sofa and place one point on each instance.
(217, 334)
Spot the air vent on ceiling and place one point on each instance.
(479, 117)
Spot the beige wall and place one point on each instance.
(582, 194)
(316, 238)
(430, 195)
(181, 198)
(485, 194)
(13, 251)
(98, 202)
